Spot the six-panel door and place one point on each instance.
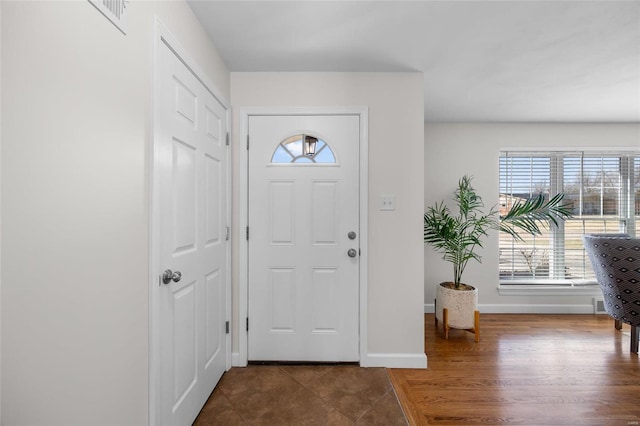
(303, 285)
(192, 161)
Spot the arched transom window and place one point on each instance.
(303, 149)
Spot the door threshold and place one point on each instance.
(332, 363)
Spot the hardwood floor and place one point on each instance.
(526, 370)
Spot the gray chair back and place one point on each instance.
(616, 262)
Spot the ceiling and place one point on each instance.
(483, 61)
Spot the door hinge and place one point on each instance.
(247, 233)
(247, 141)
(226, 327)
(247, 323)
(228, 234)
(227, 138)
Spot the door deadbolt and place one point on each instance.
(168, 276)
(351, 235)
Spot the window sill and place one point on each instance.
(565, 289)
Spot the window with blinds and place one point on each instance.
(602, 190)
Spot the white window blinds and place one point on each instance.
(602, 190)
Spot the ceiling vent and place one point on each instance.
(114, 10)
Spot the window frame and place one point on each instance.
(629, 214)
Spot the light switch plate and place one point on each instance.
(387, 202)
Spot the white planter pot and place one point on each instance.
(461, 307)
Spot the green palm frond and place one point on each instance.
(529, 215)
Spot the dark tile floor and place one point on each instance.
(303, 395)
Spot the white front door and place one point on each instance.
(191, 157)
(303, 239)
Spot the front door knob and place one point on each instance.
(352, 252)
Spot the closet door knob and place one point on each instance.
(168, 275)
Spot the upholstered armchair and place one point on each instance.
(616, 262)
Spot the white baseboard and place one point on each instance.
(236, 361)
(397, 360)
(526, 309)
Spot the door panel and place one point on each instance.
(184, 335)
(303, 287)
(324, 284)
(184, 197)
(192, 167)
(323, 210)
(282, 300)
(213, 203)
(215, 316)
(282, 212)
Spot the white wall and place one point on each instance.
(452, 150)
(76, 102)
(0, 211)
(395, 102)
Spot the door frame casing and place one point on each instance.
(163, 36)
(240, 359)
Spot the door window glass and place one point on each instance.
(293, 150)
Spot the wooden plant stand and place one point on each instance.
(476, 324)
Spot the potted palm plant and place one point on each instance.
(457, 236)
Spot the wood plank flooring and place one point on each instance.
(526, 370)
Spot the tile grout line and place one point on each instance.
(372, 405)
